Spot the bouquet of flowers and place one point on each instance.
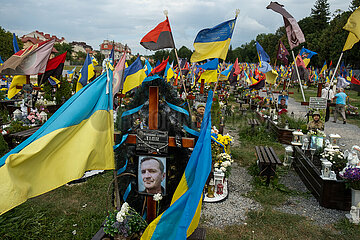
(126, 222)
(33, 118)
(352, 176)
(317, 133)
(223, 162)
(337, 159)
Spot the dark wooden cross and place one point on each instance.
(153, 125)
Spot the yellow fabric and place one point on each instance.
(57, 158)
(210, 50)
(209, 76)
(17, 80)
(78, 86)
(253, 80)
(353, 23)
(323, 69)
(170, 74)
(134, 80)
(306, 61)
(271, 76)
(350, 41)
(91, 74)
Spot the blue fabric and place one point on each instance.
(265, 67)
(157, 63)
(149, 79)
(81, 106)
(148, 67)
(85, 71)
(178, 109)
(15, 44)
(262, 54)
(121, 170)
(133, 68)
(112, 56)
(1, 61)
(221, 32)
(210, 65)
(122, 141)
(166, 69)
(307, 51)
(227, 71)
(132, 111)
(191, 131)
(126, 194)
(341, 98)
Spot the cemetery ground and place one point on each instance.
(282, 210)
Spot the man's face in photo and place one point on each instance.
(152, 176)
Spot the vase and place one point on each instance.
(355, 197)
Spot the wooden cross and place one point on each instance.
(153, 125)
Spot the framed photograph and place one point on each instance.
(283, 100)
(152, 174)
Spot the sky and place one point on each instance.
(127, 21)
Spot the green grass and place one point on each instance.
(55, 215)
(268, 224)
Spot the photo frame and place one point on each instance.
(151, 174)
(283, 97)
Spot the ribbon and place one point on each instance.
(176, 108)
(191, 131)
(214, 139)
(132, 111)
(122, 141)
(121, 170)
(149, 79)
(126, 194)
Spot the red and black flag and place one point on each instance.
(159, 38)
(258, 85)
(355, 84)
(54, 68)
(160, 69)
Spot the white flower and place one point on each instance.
(74, 232)
(223, 164)
(223, 169)
(157, 197)
(216, 165)
(124, 208)
(216, 169)
(119, 217)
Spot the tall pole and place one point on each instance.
(181, 77)
(337, 66)
(298, 75)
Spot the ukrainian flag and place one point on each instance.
(134, 75)
(210, 73)
(18, 80)
(169, 72)
(77, 138)
(182, 217)
(213, 42)
(86, 73)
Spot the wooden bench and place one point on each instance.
(21, 136)
(267, 161)
(253, 122)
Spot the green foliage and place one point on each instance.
(184, 52)
(294, 122)
(48, 91)
(16, 126)
(63, 93)
(63, 47)
(4, 148)
(320, 14)
(6, 46)
(164, 54)
(99, 57)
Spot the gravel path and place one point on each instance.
(233, 210)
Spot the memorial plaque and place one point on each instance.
(152, 141)
(200, 98)
(317, 103)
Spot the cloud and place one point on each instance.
(127, 21)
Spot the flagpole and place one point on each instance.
(337, 66)
(298, 75)
(181, 77)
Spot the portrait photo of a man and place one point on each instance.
(152, 175)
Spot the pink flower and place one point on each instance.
(33, 120)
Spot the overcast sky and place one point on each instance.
(127, 21)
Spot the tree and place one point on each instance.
(184, 52)
(354, 5)
(63, 47)
(320, 14)
(6, 46)
(99, 57)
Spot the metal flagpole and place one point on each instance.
(298, 75)
(337, 66)
(181, 77)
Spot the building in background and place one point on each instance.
(119, 48)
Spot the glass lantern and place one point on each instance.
(43, 116)
(17, 114)
(288, 156)
(297, 138)
(211, 189)
(305, 144)
(334, 138)
(326, 169)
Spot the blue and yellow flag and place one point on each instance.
(182, 217)
(134, 75)
(169, 72)
(77, 138)
(324, 67)
(18, 80)
(86, 73)
(210, 73)
(213, 42)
